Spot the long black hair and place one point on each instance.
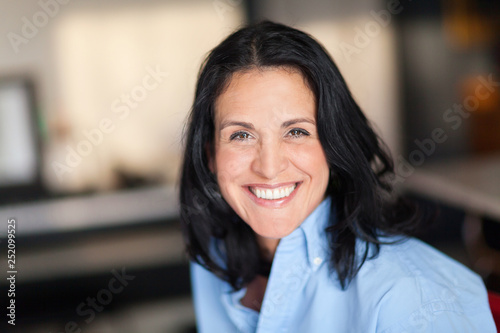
(215, 236)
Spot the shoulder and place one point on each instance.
(203, 281)
(207, 289)
(416, 287)
(412, 258)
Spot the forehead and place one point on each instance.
(271, 92)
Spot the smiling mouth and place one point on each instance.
(273, 194)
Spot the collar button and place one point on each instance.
(317, 261)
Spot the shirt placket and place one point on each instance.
(289, 273)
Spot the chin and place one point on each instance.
(276, 233)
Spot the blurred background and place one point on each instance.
(93, 98)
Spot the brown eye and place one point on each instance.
(239, 136)
(298, 132)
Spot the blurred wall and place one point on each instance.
(447, 53)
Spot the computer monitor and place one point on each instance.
(19, 141)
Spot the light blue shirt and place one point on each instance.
(408, 287)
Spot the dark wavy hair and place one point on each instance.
(215, 236)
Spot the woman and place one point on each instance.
(286, 206)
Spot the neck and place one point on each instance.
(267, 247)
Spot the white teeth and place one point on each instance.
(269, 194)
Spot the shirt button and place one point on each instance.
(317, 261)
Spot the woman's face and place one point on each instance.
(269, 163)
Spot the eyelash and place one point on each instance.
(300, 132)
(235, 136)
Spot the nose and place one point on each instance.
(270, 160)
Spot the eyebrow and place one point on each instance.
(296, 121)
(250, 126)
(236, 123)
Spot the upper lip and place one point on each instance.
(272, 186)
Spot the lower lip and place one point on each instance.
(278, 203)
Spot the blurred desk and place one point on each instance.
(67, 248)
(92, 211)
(471, 184)
(91, 234)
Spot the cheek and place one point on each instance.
(231, 165)
(311, 160)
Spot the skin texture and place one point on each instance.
(266, 136)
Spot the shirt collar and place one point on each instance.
(312, 230)
(307, 245)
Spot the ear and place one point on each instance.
(210, 158)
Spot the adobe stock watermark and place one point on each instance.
(420, 319)
(104, 297)
(31, 26)
(122, 108)
(371, 30)
(222, 7)
(454, 117)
